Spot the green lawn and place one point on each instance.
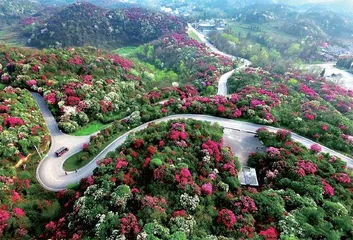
(126, 51)
(76, 162)
(194, 36)
(90, 128)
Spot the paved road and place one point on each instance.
(222, 83)
(52, 177)
(50, 172)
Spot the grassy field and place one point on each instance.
(193, 35)
(126, 51)
(92, 127)
(76, 162)
(244, 29)
(9, 37)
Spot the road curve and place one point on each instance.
(222, 83)
(52, 177)
(50, 172)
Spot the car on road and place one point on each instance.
(61, 151)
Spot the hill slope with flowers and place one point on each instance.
(176, 180)
(84, 24)
(85, 84)
(24, 204)
(311, 106)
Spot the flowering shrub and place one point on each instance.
(22, 123)
(227, 218)
(80, 85)
(315, 148)
(269, 234)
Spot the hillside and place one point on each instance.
(12, 10)
(176, 180)
(84, 24)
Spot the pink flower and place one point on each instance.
(85, 146)
(31, 82)
(121, 163)
(315, 148)
(273, 152)
(18, 212)
(324, 128)
(184, 177)
(309, 116)
(328, 189)
(207, 189)
(13, 121)
(342, 178)
(237, 113)
(305, 167)
(15, 196)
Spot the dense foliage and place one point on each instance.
(84, 24)
(309, 195)
(22, 126)
(69, 80)
(345, 62)
(14, 10)
(24, 205)
(264, 49)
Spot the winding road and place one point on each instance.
(345, 78)
(50, 172)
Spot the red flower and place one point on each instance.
(328, 189)
(207, 189)
(227, 217)
(4, 109)
(179, 213)
(269, 234)
(13, 122)
(72, 101)
(129, 225)
(151, 150)
(146, 162)
(138, 143)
